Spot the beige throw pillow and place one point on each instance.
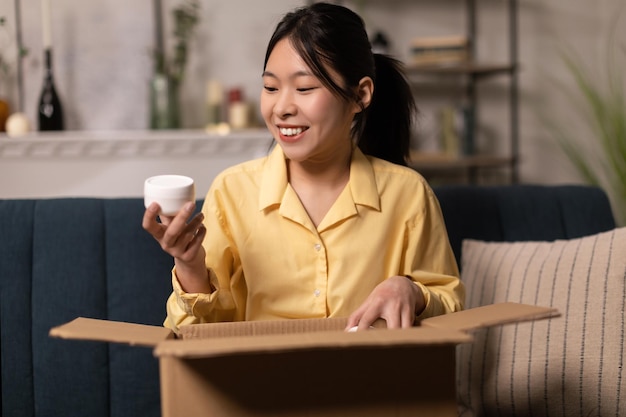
(567, 366)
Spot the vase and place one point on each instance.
(5, 111)
(164, 102)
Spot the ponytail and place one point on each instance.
(384, 129)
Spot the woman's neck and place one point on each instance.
(319, 184)
(331, 172)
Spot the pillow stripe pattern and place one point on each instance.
(568, 366)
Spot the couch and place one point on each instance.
(68, 257)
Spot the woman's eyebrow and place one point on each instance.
(294, 75)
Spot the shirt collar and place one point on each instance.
(363, 181)
(275, 180)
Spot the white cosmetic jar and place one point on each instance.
(171, 192)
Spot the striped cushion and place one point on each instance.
(567, 366)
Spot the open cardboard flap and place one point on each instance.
(490, 315)
(112, 331)
(218, 339)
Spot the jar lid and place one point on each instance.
(169, 186)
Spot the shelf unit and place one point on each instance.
(474, 72)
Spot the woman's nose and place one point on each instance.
(285, 105)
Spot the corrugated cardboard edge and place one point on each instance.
(267, 327)
(311, 340)
(490, 315)
(112, 331)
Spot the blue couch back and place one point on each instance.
(77, 257)
(64, 258)
(523, 212)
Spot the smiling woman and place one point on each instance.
(322, 227)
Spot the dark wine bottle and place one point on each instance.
(50, 109)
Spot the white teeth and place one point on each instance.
(289, 131)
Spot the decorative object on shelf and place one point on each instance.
(468, 128)
(22, 51)
(5, 111)
(380, 43)
(17, 125)
(449, 131)
(456, 131)
(7, 77)
(238, 110)
(600, 157)
(50, 110)
(164, 102)
(215, 103)
(442, 50)
(169, 74)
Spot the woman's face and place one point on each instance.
(306, 119)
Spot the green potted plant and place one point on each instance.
(169, 71)
(600, 157)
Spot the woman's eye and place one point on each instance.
(305, 89)
(270, 89)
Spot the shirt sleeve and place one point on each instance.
(224, 269)
(431, 261)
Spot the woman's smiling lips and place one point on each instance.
(290, 133)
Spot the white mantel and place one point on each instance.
(116, 163)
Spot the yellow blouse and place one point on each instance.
(268, 261)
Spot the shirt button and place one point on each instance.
(317, 293)
(317, 247)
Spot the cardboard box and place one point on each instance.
(307, 367)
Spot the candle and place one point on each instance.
(47, 31)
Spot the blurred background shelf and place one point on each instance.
(439, 161)
(425, 76)
(439, 168)
(468, 68)
(133, 143)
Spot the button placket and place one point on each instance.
(322, 276)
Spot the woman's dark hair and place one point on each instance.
(328, 36)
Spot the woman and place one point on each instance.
(330, 223)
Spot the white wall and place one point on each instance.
(103, 63)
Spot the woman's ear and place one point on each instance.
(364, 93)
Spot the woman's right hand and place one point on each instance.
(183, 241)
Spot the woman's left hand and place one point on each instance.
(395, 300)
